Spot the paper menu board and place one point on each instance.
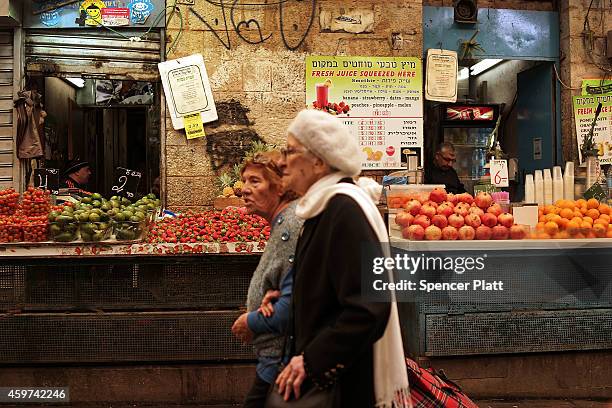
(378, 98)
(441, 77)
(187, 89)
(584, 114)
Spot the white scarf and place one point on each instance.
(390, 377)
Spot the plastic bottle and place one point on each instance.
(529, 189)
(568, 181)
(539, 187)
(557, 181)
(548, 188)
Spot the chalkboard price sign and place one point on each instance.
(47, 179)
(126, 182)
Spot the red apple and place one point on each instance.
(483, 232)
(404, 218)
(465, 198)
(390, 150)
(476, 210)
(433, 233)
(499, 232)
(428, 210)
(505, 219)
(438, 195)
(495, 209)
(455, 220)
(452, 198)
(446, 209)
(483, 200)
(488, 220)
(518, 231)
(431, 203)
(421, 220)
(462, 209)
(450, 233)
(473, 220)
(413, 207)
(466, 233)
(439, 221)
(414, 232)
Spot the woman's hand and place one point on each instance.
(291, 378)
(267, 304)
(241, 329)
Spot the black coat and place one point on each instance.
(332, 326)
(448, 177)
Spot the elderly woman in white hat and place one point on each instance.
(342, 348)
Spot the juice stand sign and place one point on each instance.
(378, 98)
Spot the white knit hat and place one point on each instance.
(328, 138)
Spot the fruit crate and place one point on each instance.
(36, 232)
(129, 230)
(95, 231)
(64, 231)
(11, 233)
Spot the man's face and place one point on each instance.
(81, 176)
(445, 159)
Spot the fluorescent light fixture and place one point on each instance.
(78, 82)
(484, 65)
(464, 73)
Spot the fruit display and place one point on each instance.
(35, 229)
(229, 225)
(442, 216)
(9, 201)
(574, 219)
(36, 202)
(10, 229)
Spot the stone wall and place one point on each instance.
(576, 63)
(539, 5)
(257, 75)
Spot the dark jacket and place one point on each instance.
(332, 326)
(436, 175)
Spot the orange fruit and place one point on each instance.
(593, 213)
(577, 213)
(566, 213)
(585, 227)
(542, 218)
(551, 217)
(583, 210)
(573, 227)
(602, 222)
(580, 235)
(551, 228)
(562, 223)
(591, 235)
(580, 202)
(587, 219)
(540, 226)
(540, 212)
(562, 235)
(609, 233)
(592, 203)
(577, 219)
(599, 230)
(604, 209)
(549, 209)
(603, 216)
(542, 235)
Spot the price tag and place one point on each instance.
(194, 127)
(47, 179)
(499, 173)
(596, 192)
(126, 182)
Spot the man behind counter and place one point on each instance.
(441, 170)
(76, 175)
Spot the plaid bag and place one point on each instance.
(431, 389)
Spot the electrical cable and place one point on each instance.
(561, 82)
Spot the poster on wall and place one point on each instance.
(441, 76)
(187, 89)
(380, 99)
(584, 114)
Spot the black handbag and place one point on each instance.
(313, 398)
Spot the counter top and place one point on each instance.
(115, 249)
(502, 245)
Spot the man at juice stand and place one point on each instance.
(441, 171)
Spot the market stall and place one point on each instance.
(540, 289)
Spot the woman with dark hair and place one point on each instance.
(264, 323)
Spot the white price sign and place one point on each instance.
(499, 173)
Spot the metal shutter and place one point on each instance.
(100, 53)
(7, 144)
